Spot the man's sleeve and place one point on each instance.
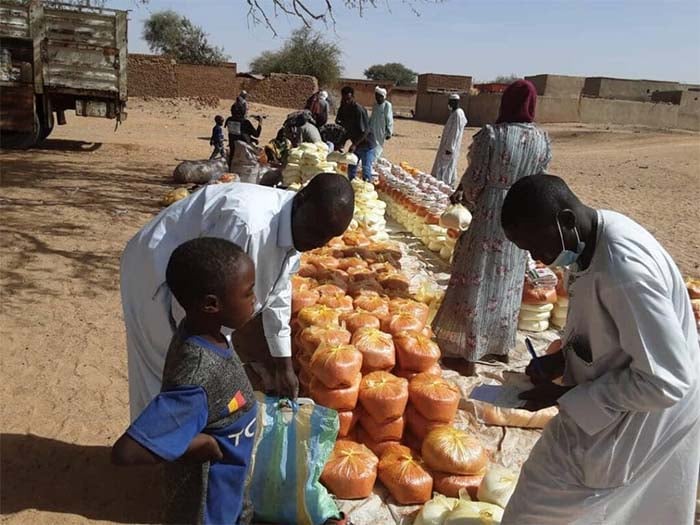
(275, 319)
(170, 421)
(660, 371)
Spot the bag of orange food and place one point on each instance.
(383, 395)
(351, 470)
(455, 451)
(336, 366)
(377, 349)
(414, 351)
(405, 477)
(434, 397)
(318, 315)
(337, 398)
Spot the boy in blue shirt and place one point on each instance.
(203, 421)
(217, 138)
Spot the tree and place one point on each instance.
(392, 71)
(506, 79)
(169, 33)
(304, 53)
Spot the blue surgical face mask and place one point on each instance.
(567, 257)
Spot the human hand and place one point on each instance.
(550, 367)
(543, 395)
(352, 148)
(286, 382)
(203, 448)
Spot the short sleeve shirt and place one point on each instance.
(205, 389)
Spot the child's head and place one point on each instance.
(213, 279)
(219, 120)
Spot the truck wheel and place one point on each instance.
(46, 129)
(19, 140)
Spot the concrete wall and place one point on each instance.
(281, 90)
(624, 89)
(483, 108)
(432, 106)
(627, 112)
(559, 86)
(671, 97)
(434, 82)
(557, 109)
(689, 111)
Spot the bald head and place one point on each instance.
(322, 210)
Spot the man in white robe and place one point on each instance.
(445, 165)
(271, 225)
(382, 120)
(625, 447)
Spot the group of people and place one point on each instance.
(624, 447)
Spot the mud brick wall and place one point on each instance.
(281, 90)
(432, 81)
(215, 81)
(151, 76)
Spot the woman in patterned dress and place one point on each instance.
(479, 314)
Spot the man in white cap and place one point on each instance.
(445, 165)
(318, 105)
(382, 120)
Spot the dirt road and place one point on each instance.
(69, 207)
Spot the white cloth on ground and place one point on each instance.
(256, 218)
(445, 165)
(382, 125)
(625, 447)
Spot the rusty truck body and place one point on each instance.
(56, 57)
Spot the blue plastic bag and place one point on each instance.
(295, 442)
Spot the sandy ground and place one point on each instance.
(69, 207)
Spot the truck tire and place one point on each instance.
(18, 140)
(46, 129)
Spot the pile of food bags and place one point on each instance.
(369, 210)
(421, 204)
(361, 345)
(305, 162)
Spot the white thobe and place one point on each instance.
(382, 125)
(256, 218)
(445, 165)
(625, 447)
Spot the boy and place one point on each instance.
(203, 421)
(217, 138)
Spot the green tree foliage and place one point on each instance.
(169, 33)
(305, 52)
(506, 79)
(394, 72)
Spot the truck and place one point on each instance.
(56, 57)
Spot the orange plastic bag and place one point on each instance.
(454, 451)
(394, 281)
(408, 306)
(348, 419)
(378, 447)
(350, 471)
(310, 338)
(351, 262)
(383, 395)
(377, 349)
(330, 289)
(303, 298)
(302, 283)
(325, 262)
(391, 430)
(318, 315)
(400, 322)
(410, 374)
(405, 477)
(358, 288)
(357, 320)
(419, 426)
(341, 303)
(414, 351)
(336, 398)
(450, 484)
(336, 366)
(433, 397)
(373, 304)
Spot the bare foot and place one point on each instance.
(459, 365)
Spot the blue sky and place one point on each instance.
(657, 40)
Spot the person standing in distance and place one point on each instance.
(445, 165)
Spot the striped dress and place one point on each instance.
(479, 314)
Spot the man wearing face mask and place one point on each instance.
(445, 165)
(625, 447)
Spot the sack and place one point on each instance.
(296, 440)
(456, 217)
